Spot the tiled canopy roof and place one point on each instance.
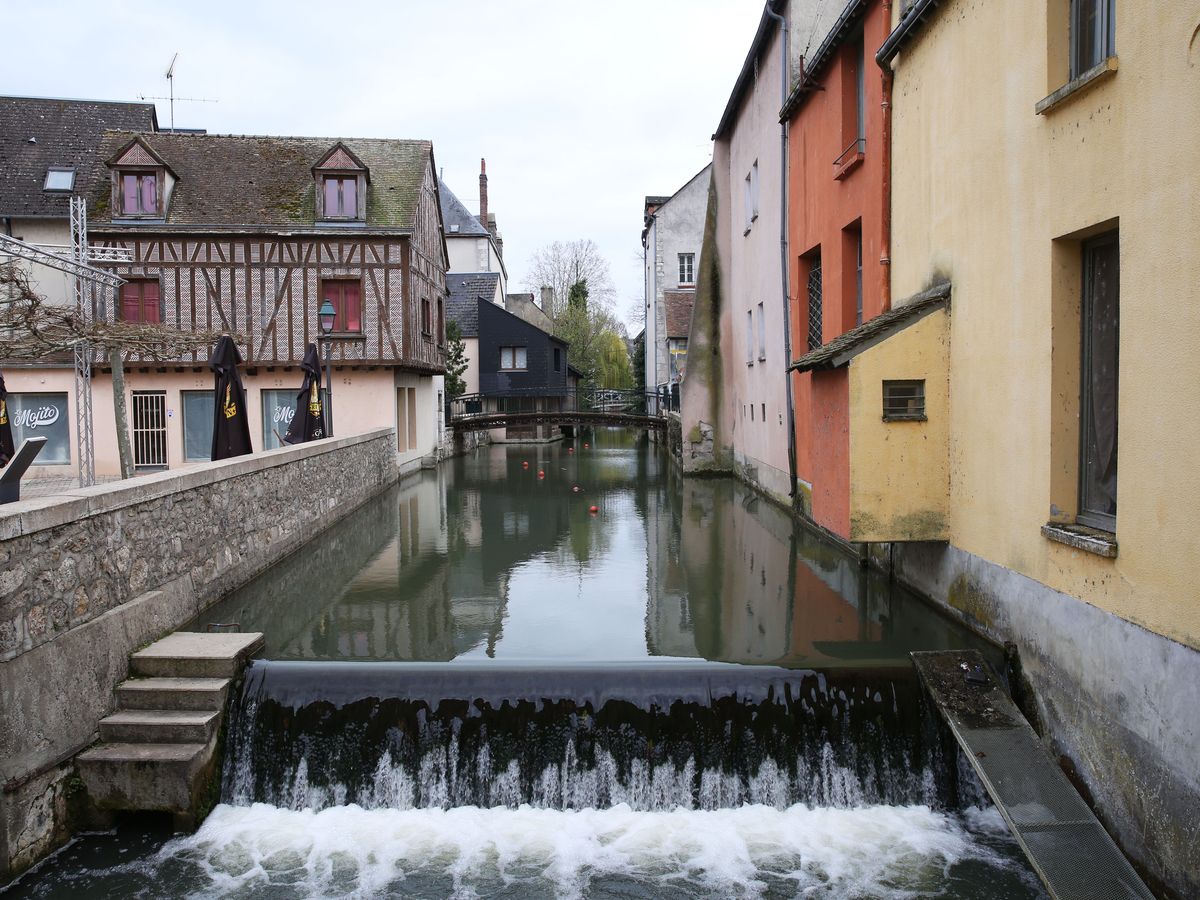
(37, 133)
(679, 312)
(846, 346)
(253, 180)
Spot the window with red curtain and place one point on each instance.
(139, 193)
(140, 302)
(346, 297)
(341, 196)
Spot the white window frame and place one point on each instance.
(513, 355)
(762, 334)
(750, 337)
(687, 268)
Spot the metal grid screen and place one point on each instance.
(149, 429)
(814, 304)
(903, 400)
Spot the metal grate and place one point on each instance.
(903, 400)
(149, 429)
(814, 304)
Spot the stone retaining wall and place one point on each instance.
(89, 576)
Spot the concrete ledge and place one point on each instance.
(1100, 72)
(1091, 540)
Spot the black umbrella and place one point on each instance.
(231, 424)
(7, 449)
(308, 424)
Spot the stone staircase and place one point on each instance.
(158, 749)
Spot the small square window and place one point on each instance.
(904, 400)
(513, 359)
(60, 180)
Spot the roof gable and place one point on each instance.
(136, 153)
(341, 159)
(457, 220)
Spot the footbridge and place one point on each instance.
(565, 406)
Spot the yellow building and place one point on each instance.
(1046, 162)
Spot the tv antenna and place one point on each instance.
(170, 76)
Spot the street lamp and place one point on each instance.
(326, 316)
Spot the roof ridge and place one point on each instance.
(272, 137)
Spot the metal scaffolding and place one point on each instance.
(94, 289)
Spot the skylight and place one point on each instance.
(59, 180)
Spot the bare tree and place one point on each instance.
(565, 263)
(34, 329)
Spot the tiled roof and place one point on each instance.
(456, 218)
(679, 312)
(255, 180)
(65, 134)
(846, 346)
(465, 293)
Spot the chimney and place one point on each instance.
(547, 300)
(483, 212)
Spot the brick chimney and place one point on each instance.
(483, 212)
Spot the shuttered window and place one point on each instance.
(140, 301)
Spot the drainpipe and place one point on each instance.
(885, 227)
(783, 244)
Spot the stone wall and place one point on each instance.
(89, 576)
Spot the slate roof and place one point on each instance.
(230, 180)
(679, 312)
(454, 213)
(846, 346)
(66, 133)
(465, 292)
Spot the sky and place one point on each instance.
(581, 107)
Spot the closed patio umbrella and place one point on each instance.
(231, 424)
(308, 424)
(7, 450)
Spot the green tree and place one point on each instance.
(613, 361)
(456, 361)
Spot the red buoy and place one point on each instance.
(576, 489)
(585, 446)
(541, 474)
(570, 449)
(593, 509)
(525, 465)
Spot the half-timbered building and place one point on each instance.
(250, 235)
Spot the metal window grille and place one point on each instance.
(149, 429)
(903, 400)
(814, 304)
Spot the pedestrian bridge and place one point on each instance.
(581, 406)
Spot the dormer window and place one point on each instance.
(341, 196)
(341, 186)
(139, 193)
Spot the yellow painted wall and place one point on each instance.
(996, 197)
(899, 471)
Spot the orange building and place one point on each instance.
(837, 233)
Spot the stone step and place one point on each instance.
(160, 726)
(172, 693)
(136, 776)
(191, 654)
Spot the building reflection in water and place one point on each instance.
(482, 558)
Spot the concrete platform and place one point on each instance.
(173, 693)
(137, 776)
(193, 654)
(1065, 843)
(160, 726)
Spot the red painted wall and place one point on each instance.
(826, 214)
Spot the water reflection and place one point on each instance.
(487, 558)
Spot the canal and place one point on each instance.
(564, 671)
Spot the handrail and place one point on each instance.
(610, 401)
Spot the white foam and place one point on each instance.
(876, 851)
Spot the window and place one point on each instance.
(812, 263)
(426, 319)
(904, 400)
(512, 359)
(858, 309)
(278, 410)
(441, 325)
(1098, 394)
(346, 297)
(762, 334)
(749, 337)
(139, 193)
(42, 415)
(1093, 34)
(149, 429)
(557, 359)
(751, 195)
(59, 180)
(341, 197)
(140, 301)
(860, 92)
(677, 349)
(687, 263)
(198, 412)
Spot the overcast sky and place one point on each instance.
(581, 108)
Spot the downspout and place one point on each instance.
(783, 245)
(885, 226)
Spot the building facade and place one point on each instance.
(673, 228)
(249, 236)
(1060, 198)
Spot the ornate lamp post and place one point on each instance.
(326, 316)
